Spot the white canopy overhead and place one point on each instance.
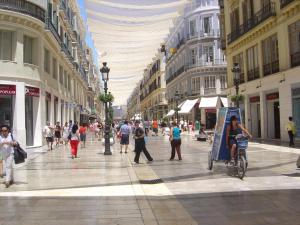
(127, 35)
(209, 102)
(187, 106)
(224, 101)
(170, 113)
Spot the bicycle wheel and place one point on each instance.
(241, 167)
(210, 161)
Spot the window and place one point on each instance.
(28, 50)
(270, 55)
(193, 56)
(294, 38)
(69, 83)
(234, 20)
(54, 68)
(252, 63)
(208, 54)
(6, 42)
(193, 28)
(196, 85)
(46, 60)
(61, 75)
(223, 82)
(209, 82)
(66, 79)
(207, 24)
(239, 59)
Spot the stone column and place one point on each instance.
(263, 115)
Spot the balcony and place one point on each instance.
(50, 26)
(271, 68)
(203, 34)
(259, 17)
(210, 91)
(295, 59)
(67, 14)
(253, 74)
(215, 62)
(284, 3)
(68, 54)
(22, 6)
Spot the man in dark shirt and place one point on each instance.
(140, 145)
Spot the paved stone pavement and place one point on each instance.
(96, 189)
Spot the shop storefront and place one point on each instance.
(255, 118)
(273, 115)
(7, 96)
(296, 109)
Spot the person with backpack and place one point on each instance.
(175, 140)
(7, 144)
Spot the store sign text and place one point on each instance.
(7, 90)
(32, 91)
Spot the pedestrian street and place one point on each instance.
(53, 189)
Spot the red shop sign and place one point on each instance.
(210, 110)
(272, 96)
(254, 99)
(32, 91)
(7, 89)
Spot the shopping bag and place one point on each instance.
(19, 154)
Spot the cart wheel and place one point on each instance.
(210, 161)
(241, 167)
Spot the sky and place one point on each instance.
(127, 34)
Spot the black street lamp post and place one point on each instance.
(105, 72)
(177, 96)
(236, 71)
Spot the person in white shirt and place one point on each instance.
(7, 150)
(48, 134)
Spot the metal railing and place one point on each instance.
(67, 52)
(284, 3)
(271, 68)
(50, 26)
(253, 74)
(295, 59)
(202, 34)
(266, 12)
(24, 7)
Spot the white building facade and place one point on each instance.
(44, 68)
(196, 65)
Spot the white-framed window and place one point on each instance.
(208, 53)
(209, 82)
(47, 60)
(207, 24)
(193, 28)
(61, 75)
(193, 56)
(54, 68)
(6, 45)
(252, 63)
(196, 85)
(223, 81)
(28, 49)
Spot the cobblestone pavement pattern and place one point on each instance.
(96, 189)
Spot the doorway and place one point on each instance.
(29, 120)
(276, 107)
(296, 115)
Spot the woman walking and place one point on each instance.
(175, 141)
(7, 150)
(82, 132)
(57, 133)
(74, 141)
(66, 133)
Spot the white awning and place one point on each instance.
(187, 106)
(210, 102)
(171, 113)
(224, 101)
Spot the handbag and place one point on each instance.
(19, 154)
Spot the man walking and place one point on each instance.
(125, 132)
(291, 129)
(140, 145)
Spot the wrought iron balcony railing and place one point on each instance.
(50, 26)
(67, 52)
(284, 3)
(253, 74)
(271, 68)
(295, 59)
(266, 12)
(24, 7)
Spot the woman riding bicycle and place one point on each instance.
(232, 131)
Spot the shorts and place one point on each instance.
(232, 142)
(49, 139)
(155, 130)
(124, 140)
(82, 137)
(57, 134)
